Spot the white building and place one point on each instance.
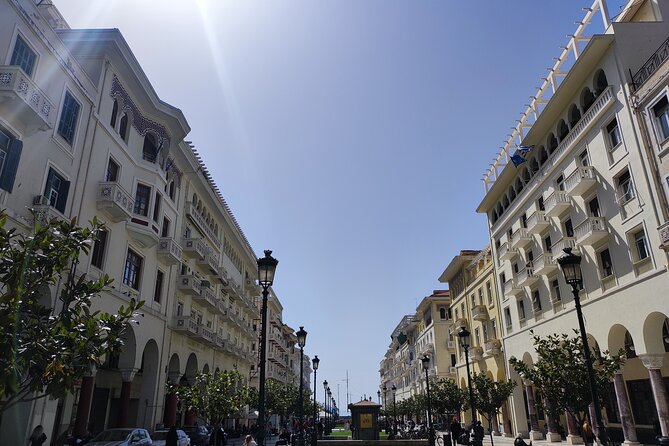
(586, 185)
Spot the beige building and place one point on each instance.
(475, 306)
(586, 184)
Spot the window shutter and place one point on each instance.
(62, 196)
(8, 174)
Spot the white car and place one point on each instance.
(159, 437)
(122, 437)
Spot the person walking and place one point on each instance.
(588, 434)
(171, 439)
(456, 430)
(478, 433)
(249, 441)
(38, 437)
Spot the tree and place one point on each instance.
(447, 397)
(560, 374)
(215, 397)
(282, 399)
(489, 396)
(44, 351)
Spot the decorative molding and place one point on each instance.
(651, 361)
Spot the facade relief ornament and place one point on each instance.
(651, 361)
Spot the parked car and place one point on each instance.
(199, 435)
(122, 437)
(160, 436)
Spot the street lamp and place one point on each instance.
(301, 342)
(430, 428)
(394, 389)
(464, 334)
(266, 270)
(385, 407)
(571, 268)
(325, 405)
(329, 429)
(378, 395)
(314, 437)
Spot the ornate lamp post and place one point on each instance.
(394, 390)
(430, 428)
(571, 268)
(301, 342)
(330, 405)
(266, 270)
(385, 407)
(314, 437)
(464, 334)
(325, 399)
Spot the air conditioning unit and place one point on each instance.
(41, 200)
(452, 370)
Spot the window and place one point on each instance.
(568, 228)
(165, 229)
(584, 158)
(555, 289)
(548, 244)
(529, 254)
(123, 128)
(559, 183)
(593, 207)
(493, 328)
(640, 245)
(477, 336)
(114, 114)
(56, 190)
(132, 270)
(540, 204)
(507, 318)
(23, 56)
(156, 208)
(142, 198)
(486, 334)
(613, 132)
(502, 278)
(10, 154)
(158, 291)
(521, 310)
(523, 221)
(661, 112)
(112, 171)
(99, 249)
(488, 292)
(68, 118)
(480, 296)
(605, 263)
(536, 301)
(170, 190)
(150, 149)
(625, 187)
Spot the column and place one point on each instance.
(624, 409)
(552, 434)
(124, 401)
(535, 433)
(506, 422)
(495, 426)
(171, 403)
(574, 432)
(654, 363)
(84, 404)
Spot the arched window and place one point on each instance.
(112, 122)
(534, 166)
(574, 115)
(123, 127)
(442, 313)
(630, 351)
(552, 143)
(543, 157)
(527, 176)
(519, 185)
(512, 194)
(562, 130)
(150, 148)
(493, 216)
(587, 99)
(194, 200)
(600, 82)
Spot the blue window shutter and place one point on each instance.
(62, 196)
(8, 174)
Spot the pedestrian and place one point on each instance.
(249, 441)
(38, 437)
(217, 437)
(456, 430)
(479, 434)
(520, 442)
(588, 435)
(171, 439)
(66, 438)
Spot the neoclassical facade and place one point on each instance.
(83, 134)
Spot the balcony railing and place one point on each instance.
(506, 253)
(565, 242)
(544, 264)
(581, 180)
(30, 104)
(664, 236)
(511, 288)
(557, 203)
(651, 65)
(189, 284)
(592, 230)
(187, 325)
(115, 201)
(169, 251)
(208, 335)
(194, 247)
(480, 313)
(538, 222)
(461, 323)
(207, 297)
(520, 238)
(202, 225)
(526, 276)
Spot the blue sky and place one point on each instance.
(348, 136)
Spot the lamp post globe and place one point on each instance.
(314, 437)
(266, 271)
(570, 264)
(464, 336)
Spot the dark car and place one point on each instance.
(199, 435)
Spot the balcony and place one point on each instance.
(461, 323)
(143, 230)
(201, 223)
(195, 248)
(652, 64)
(189, 284)
(169, 252)
(492, 347)
(207, 297)
(186, 325)
(220, 342)
(558, 248)
(222, 309)
(664, 236)
(221, 274)
(114, 201)
(527, 276)
(537, 223)
(208, 335)
(476, 353)
(592, 230)
(506, 253)
(544, 264)
(520, 238)
(511, 288)
(29, 104)
(480, 313)
(557, 203)
(581, 181)
(44, 212)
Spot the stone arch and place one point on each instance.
(552, 143)
(616, 338)
(191, 368)
(600, 82)
(574, 115)
(150, 147)
(562, 130)
(128, 357)
(512, 194)
(587, 98)
(205, 369)
(194, 200)
(542, 154)
(534, 166)
(150, 371)
(653, 341)
(174, 369)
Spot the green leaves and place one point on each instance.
(215, 397)
(490, 395)
(447, 398)
(44, 350)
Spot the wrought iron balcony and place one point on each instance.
(538, 222)
(581, 181)
(480, 313)
(114, 201)
(30, 105)
(201, 223)
(557, 203)
(169, 252)
(592, 230)
(652, 64)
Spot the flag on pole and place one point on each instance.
(520, 156)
